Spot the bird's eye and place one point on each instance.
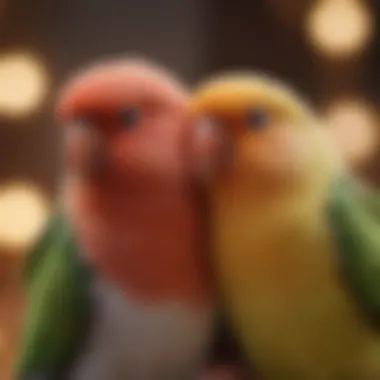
(257, 119)
(130, 117)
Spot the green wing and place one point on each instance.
(354, 213)
(58, 304)
(42, 247)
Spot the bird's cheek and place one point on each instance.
(130, 158)
(273, 153)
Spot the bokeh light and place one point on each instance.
(354, 127)
(23, 212)
(339, 28)
(23, 84)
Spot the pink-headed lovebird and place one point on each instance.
(118, 285)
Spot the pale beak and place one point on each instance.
(213, 149)
(86, 151)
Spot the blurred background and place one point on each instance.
(328, 49)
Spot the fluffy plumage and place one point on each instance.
(283, 212)
(133, 224)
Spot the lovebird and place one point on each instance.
(295, 235)
(118, 287)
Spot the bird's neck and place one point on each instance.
(271, 238)
(148, 242)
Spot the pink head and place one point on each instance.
(123, 121)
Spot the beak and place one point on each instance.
(214, 150)
(86, 152)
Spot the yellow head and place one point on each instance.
(258, 132)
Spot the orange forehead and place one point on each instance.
(232, 96)
(112, 85)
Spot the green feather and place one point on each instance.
(354, 212)
(42, 246)
(58, 303)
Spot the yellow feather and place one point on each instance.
(274, 255)
(237, 92)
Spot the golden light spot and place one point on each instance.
(23, 84)
(354, 126)
(339, 28)
(23, 212)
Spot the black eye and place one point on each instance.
(257, 119)
(130, 117)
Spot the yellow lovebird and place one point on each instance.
(295, 237)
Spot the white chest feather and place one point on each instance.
(135, 341)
